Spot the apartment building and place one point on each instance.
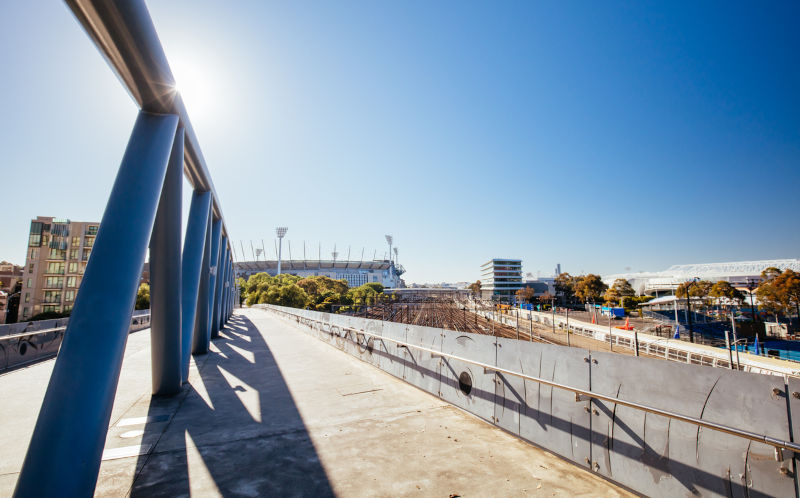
(58, 250)
(10, 274)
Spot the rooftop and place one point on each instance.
(711, 270)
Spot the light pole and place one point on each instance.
(390, 239)
(280, 231)
(689, 307)
(751, 285)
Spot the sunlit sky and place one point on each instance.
(604, 136)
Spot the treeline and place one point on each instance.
(591, 289)
(318, 293)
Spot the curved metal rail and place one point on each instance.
(760, 438)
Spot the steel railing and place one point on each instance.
(191, 283)
(779, 444)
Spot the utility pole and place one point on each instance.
(728, 347)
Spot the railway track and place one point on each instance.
(447, 314)
(452, 315)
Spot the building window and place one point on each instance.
(73, 268)
(50, 309)
(71, 281)
(73, 254)
(30, 283)
(69, 295)
(58, 254)
(91, 230)
(86, 253)
(67, 309)
(55, 268)
(52, 297)
(76, 241)
(36, 234)
(89, 242)
(27, 298)
(26, 312)
(54, 282)
(34, 253)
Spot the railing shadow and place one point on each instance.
(236, 429)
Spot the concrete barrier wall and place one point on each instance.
(29, 342)
(648, 453)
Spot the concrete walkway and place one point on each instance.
(273, 412)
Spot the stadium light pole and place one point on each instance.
(751, 285)
(389, 239)
(689, 306)
(280, 231)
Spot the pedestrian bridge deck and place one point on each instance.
(273, 411)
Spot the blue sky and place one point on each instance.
(603, 136)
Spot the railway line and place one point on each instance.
(453, 315)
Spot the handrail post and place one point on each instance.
(214, 269)
(200, 338)
(223, 316)
(217, 311)
(165, 279)
(71, 428)
(193, 250)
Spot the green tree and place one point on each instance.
(590, 288)
(723, 289)
(772, 292)
(143, 297)
(241, 284)
(565, 287)
(546, 298)
(697, 288)
(324, 292)
(789, 281)
(475, 288)
(526, 294)
(366, 294)
(618, 290)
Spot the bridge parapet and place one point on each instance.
(660, 428)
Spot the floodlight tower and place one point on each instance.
(389, 239)
(280, 231)
(395, 255)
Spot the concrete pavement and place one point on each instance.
(270, 411)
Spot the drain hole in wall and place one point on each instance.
(465, 383)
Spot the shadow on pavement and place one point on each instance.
(235, 430)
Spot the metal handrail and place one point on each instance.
(760, 438)
(124, 33)
(46, 331)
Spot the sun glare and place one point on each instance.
(195, 84)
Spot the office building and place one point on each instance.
(58, 250)
(501, 279)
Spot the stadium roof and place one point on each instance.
(311, 264)
(713, 270)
